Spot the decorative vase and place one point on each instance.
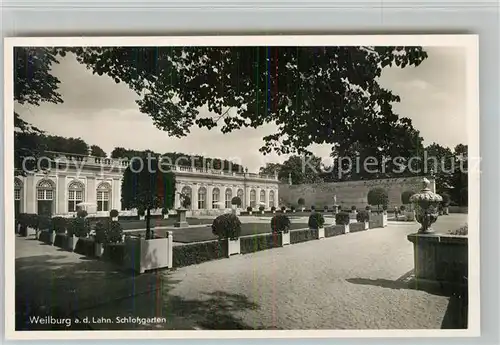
(426, 207)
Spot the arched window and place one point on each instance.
(45, 197)
(18, 190)
(75, 195)
(103, 196)
(215, 198)
(229, 196)
(253, 198)
(202, 198)
(187, 191)
(262, 197)
(271, 198)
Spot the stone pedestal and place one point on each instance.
(440, 258)
(181, 218)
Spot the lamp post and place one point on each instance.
(426, 207)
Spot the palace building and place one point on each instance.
(95, 182)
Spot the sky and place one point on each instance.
(104, 113)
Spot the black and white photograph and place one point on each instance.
(319, 185)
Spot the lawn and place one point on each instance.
(199, 234)
(158, 222)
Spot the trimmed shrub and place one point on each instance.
(335, 230)
(261, 208)
(292, 208)
(260, 242)
(362, 216)
(446, 199)
(82, 213)
(355, 227)
(325, 208)
(114, 213)
(249, 209)
(303, 235)
(227, 226)
(342, 218)
(353, 208)
(368, 208)
(236, 201)
(164, 211)
(316, 221)
(114, 233)
(402, 208)
(79, 227)
(301, 202)
(273, 208)
(313, 208)
(384, 207)
(378, 197)
(283, 208)
(44, 222)
(101, 230)
(280, 223)
(405, 197)
(141, 211)
(463, 231)
(196, 253)
(59, 225)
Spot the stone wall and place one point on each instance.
(348, 193)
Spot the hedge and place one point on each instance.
(196, 253)
(335, 230)
(85, 246)
(303, 235)
(260, 242)
(355, 227)
(60, 240)
(114, 252)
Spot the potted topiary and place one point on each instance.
(283, 209)
(292, 209)
(44, 226)
(101, 229)
(261, 209)
(58, 234)
(273, 209)
(354, 212)
(301, 202)
(249, 210)
(446, 203)
(325, 208)
(280, 224)
(79, 227)
(313, 208)
(368, 209)
(317, 222)
(114, 215)
(343, 218)
(81, 213)
(227, 227)
(164, 212)
(141, 212)
(363, 217)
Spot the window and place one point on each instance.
(17, 195)
(253, 198)
(229, 196)
(103, 196)
(45, 196)
(262, 197)
(75, 195)
(202, 198)
(271, 198)
(215, 198)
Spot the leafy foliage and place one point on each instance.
(261, 208)
(113, 213)
(227, 226)
(79, 227)
(378, 197)
(97, 151)
(185, 201)
(405, 197)
(59, 225)
(335, 86)
(236, 201)
(362, 216)
(342, 218)
(82, 213)
(301, 202)
(316, 220)
(280, 223)
(446, 199)
(249, 208)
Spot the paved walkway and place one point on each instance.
(346, 282)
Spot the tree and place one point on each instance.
(97, 151)
(460, 176)
(405, 197)
(148, 185)
(302, 169)
(236, 201)
(446, 199)
(377, 197)
(270, 169)
(314, 95)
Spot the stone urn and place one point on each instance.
(426, 207)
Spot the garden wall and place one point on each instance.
(349, 193)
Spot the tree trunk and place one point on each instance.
(149, 234)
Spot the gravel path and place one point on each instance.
(344, 282)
